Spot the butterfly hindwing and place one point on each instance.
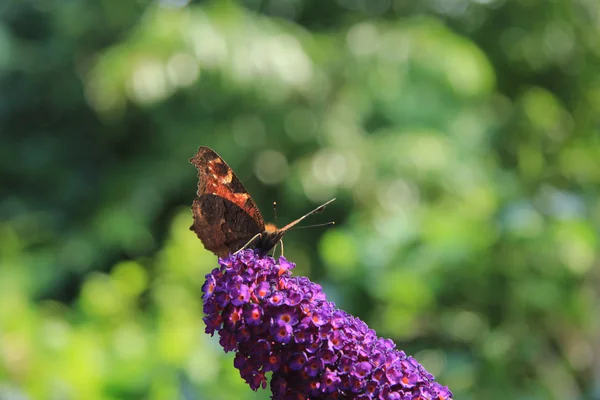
(225, 216)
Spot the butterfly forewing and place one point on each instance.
(225, 216)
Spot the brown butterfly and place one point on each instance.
(226, 219)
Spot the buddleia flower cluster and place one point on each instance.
(283, 326)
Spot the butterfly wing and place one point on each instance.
(225, 216)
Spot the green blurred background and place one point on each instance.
(461, 138)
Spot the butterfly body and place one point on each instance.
(225, 216)
(268, 238)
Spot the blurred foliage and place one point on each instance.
(461, 138)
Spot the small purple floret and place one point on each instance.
(240, 295)
(284, 325)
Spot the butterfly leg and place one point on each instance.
(281, 242)
(249, 242)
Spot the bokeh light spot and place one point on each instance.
(149, 82)
(271, 167)
(338, 249)
(182, 69)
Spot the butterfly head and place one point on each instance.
(269, 238)
(270, 228)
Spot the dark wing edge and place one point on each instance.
(221, 225)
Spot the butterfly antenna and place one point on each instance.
(312, 226)
(275, 212)
(316, 210)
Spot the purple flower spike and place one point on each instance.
(284, 325)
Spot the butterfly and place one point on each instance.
(226, 219)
